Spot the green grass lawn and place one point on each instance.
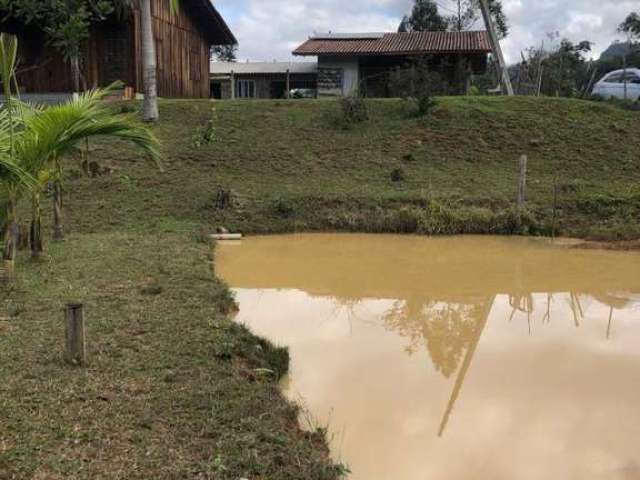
(174, 389)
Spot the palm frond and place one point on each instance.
(56, 131)
(13, 175)
(174, 5)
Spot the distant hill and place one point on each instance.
(616, 50)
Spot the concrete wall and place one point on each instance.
(349, 67)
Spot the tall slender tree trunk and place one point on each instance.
(10, 241)
(58, 229)
(149, 66)
(35, 232)
(75, 72)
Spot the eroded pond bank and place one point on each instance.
(451, 358)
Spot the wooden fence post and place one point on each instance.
(75, 351)
(288, 87)
(522, 182)
(233, 85)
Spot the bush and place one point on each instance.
(398, 175)
(128, 107)
(354, 110)
(283, 208)
(206, 134)
(425, 104)
(417, 85)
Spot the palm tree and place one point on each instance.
(12, 180)
(12, 176)
(50, 134)
(34, 140)
(149, 63)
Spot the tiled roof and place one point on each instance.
(396, 44)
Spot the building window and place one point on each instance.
(246, 89)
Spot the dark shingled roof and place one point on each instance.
(396, 44)
(215, 28)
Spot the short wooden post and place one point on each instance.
(76, 350)
(522, 182)
(233, 85)
(288, 87)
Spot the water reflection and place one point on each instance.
(423, 350)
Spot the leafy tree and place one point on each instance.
(468, 14)
(561, 71)
(225, 53)
(631, 26)
(424, 17)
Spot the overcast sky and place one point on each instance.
(270, 29)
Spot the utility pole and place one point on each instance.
(505, 81)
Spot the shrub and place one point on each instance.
(283, 208)
(354, 110)
(128, 107)
(206, 134)
(417, 85)
(398, 175)
(425, 104)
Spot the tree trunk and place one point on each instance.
(505, 80)
(10, 241)
(149, 67)
(58, 230)
(35, 234)
(75, 73)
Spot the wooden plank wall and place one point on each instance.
(182, 53)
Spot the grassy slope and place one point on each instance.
(172, 390)
(291, 169)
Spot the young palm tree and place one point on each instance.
(50, 134)
(13, 179)
(149, 63)
(12, 176)
(34, 140)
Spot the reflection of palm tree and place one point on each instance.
(522, 303)
(482, 317)
(614, 302)
(445, 328)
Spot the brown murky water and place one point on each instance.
(454, 358)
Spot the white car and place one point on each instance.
(613, 84)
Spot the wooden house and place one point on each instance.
(114, 51)
(350, 62)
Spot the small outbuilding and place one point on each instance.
(262, 80)
(350, 62)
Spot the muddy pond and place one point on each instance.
(453, 358)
